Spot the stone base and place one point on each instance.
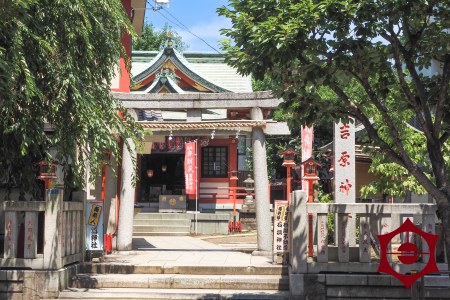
(248, 219)
(262, 253)
(35, 284)
(363, 286)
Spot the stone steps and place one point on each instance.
(109, 268)
(159, 216)
(160, 228)
(161, 224)
(133, 293)
(182, 281)
(117, 281)
(168, 233)
(184, 222)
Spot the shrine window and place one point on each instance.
(215, 162)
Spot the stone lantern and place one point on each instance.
(249, 189)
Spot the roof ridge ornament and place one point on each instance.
(166, 72)
(169, 40)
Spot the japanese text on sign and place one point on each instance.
(281, 227)
(94, 226)
(190, 171)
(344, 162)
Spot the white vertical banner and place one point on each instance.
(344, 162)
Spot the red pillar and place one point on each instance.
(288, 183)
(124, 79)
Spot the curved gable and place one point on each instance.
(189, 79)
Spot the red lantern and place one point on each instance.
(47, 173)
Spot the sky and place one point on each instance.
(197, 16)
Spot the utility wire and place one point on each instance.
(180, 25)
(190, 31)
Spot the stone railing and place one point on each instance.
(309, 227)
(43, 235)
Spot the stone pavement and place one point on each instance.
(183, 251)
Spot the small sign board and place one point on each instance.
(280, 227)
(94, 225)
(172, 203)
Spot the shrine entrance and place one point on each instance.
(160, 174)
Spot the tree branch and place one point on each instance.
(364, 81)
(356, 111)
(398, 67)
(444, 137)
(401, 76)
(442, 95)
(400, 158)
(420, 89)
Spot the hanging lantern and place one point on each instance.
(164, 168)
(234, 175)
(150, 173)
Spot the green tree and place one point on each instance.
(57, 60)
(390, 50)
(154, 40)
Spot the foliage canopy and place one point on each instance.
(57, 60)
(153, 39)
(385, 63)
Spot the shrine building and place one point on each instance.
(187, 97)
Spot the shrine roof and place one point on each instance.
(139, 8)
(207, 69)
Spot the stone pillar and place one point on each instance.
(53, 231)
(110, 197)
(344, 175)
(127, 195)
(11, 234)
(263, 217)
(31, 230)
(299, 232)
(126, 210)
(298, 248)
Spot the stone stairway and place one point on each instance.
(99, 281)
(161, 224)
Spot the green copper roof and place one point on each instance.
(209, 69)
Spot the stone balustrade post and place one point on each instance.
(298, 249)
(53, 229)
(11, 234)
(299, 232)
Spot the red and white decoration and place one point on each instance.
(307, 146)
(190, 170)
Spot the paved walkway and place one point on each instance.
(183, 251)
